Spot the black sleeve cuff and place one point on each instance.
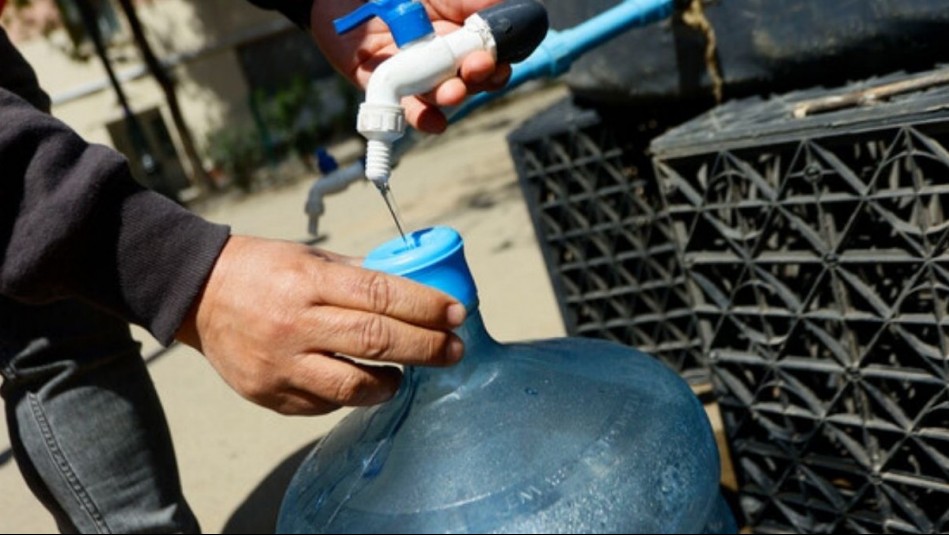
(74, 224)
(297, 11)
(164, 256)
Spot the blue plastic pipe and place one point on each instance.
(561, 48)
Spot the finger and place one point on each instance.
(347, 287)
(326, 380)
(451, 92)
(424, 117)
(477, 74)
(475, 89)
(499, 78)
(380, 338)
(458, 11)
(454, 91)
(477, 67)
(295, 402)
(497, 81)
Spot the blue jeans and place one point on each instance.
(86, 426)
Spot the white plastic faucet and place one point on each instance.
(417, 68)
(508, 31)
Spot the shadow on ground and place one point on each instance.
(258, 513)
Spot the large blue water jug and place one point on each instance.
(564, 435)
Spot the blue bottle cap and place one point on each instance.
(435, 258)
(407, 19)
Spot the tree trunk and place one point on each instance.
(137, 134)
(200, 176)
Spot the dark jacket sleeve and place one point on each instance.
(74, 223)
(296, 10)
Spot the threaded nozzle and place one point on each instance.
(378, 161)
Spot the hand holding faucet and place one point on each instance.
(357, 54)
(409, 67)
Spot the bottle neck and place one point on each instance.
(480, 349)
(475, 335)
(436, 259)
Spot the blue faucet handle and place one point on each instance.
(406, 19)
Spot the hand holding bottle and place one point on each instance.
(276, 318)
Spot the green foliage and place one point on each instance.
(304, 114)
(289, 117)
(238, 152)
(293, 120)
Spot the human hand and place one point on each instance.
(357, 53)
(275, 317)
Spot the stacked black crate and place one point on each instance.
(608, 246)
(814, 233)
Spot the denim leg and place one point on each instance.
(86, 426)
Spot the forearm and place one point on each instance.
(73, 223)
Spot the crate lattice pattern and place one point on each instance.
(593, 197)
(819, 270)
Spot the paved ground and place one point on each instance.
(234, 457)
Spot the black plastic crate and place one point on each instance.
(817, 255)
(609, 250)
